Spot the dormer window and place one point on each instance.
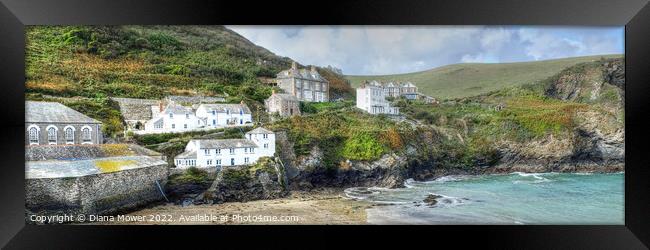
(171, 115)
(241, 112)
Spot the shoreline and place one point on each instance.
(322, 206)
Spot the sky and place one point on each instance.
(380, 50)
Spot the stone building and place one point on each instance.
(306, 85)
(52, 123)
(282, 104)
(136, 112)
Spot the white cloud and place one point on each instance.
(402, 49)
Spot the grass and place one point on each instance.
(471, 79)
(191, 175)
(116, 150)
(108, 166)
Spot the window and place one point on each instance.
(207, 152)
(33, 135)
(241, 112)
(158, 124)
(232, 161)
(214, 122)
(208, 162)
(228, 112)
(173, 125)
(214, 112)
(265, 136)
(69, 135)
(266, 145)
(171, 115)
(51, 135)
(218, 162)
(187, 116)
(218, 151)
(252, 150)
(85, 134)
(245, 150)
(184, 125)
(246, 160)
(232, 151)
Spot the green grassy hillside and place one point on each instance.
(97, 62)
(470, 79)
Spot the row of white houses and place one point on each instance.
(174, 118)
(206, 153)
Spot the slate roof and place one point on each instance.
(135, 109)
(177, 109)
(54, 112)
(186, 155)
(234, 108)
(260, 130)
(225, 143)
(301, 73)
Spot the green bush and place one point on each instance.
(362, 146)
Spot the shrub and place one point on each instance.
(362, 146)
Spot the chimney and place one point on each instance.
(293, 65)
(160, 106)
(241, 103)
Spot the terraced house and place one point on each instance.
(52, 123)
(178, 118)
(204, 153)
(306, 85)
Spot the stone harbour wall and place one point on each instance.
(100, 194)
(65, 152)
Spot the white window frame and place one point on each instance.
(246, 160)
(65, 134)
(90, 135)
(56, 134)
(207, 152)
(38, 134)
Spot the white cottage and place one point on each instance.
(205, 153)
(222, 115)
(372, 99)
(172, 119)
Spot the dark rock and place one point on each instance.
(432, 199)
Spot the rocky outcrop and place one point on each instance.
(388, 171)
(265, 180)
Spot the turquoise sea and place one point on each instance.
(517, 198)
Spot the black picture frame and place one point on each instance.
(634, 14)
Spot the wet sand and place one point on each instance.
(321, 207)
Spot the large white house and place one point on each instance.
(205, 153)
(176, 118)
(372, 99)
(222, 115)
(171, 119)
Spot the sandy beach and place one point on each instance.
(321, 207)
